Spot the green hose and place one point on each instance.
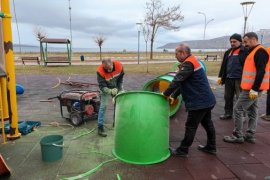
(90, 172)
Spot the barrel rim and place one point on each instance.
(138, 91)
(142, 163)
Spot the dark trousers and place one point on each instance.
(268, 103)
(232, 87)
(194, 118)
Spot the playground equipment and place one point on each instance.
(141, 128)
(8, 81)
(160, 84)
(55, 59)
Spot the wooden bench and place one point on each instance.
(57, 60)
(26, 58)
(209, 56)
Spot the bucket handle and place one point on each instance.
(57, 145)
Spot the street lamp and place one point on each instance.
(70, 27)
(139, 27)
(205, 23)
(247, 7)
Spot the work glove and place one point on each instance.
(219, 81)
(172, 100)
(107, 90)
(114, 91)
(253, 94)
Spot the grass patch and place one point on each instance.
(154, 69)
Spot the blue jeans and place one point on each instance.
(251, 107)
(102, 109)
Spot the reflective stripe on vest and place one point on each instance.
(110, 75)
(249, 72)
(195, 62)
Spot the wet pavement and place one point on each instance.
(84, 150)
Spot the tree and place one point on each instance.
(40, 33)
(100, 40)
(159, 17)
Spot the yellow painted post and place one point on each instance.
(3, 84)
(3, 81)
(10, 71)
(2, 115)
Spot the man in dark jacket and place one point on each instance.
(230, 73)
(110, 79)
(192, 83)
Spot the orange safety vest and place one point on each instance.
(194, 61)
(118, 68)
(249, 72)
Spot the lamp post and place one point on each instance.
(139, 27)
(70, 27)
(247, 7)
(205, 23)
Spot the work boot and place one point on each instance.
(178, 152)
(249, 138)
(265, 117)
(225, 117)
(207, 149)
(101, 132)
(234, 138)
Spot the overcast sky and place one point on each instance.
(116, 20)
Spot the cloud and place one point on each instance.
(116, 20)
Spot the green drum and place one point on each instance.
(160, 84)
(141, 127)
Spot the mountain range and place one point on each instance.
(219, 42)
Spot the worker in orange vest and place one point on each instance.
(266, 116)
(110, 76)
(255, 79)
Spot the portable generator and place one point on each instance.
(81, 105)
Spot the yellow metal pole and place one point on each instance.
(3, 81)
(2, 115)
(3, 84)
(10, 71)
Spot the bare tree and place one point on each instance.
(157, 16)
(100, 40)
(146, 34)
(40, 33)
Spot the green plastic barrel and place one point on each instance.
(141, 127)
(52, 148)
(160, 84)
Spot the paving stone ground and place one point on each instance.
(23, 156)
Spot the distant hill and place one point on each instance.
(219, 42)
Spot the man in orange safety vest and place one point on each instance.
(255, 79)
